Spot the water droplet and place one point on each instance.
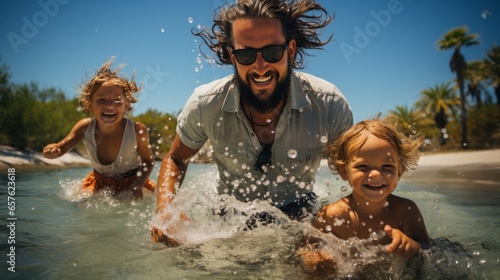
(485, 14)
(198, 60)
(162, 30)
(190, 20)
(343, 189)
(292, 153)
(196, 69)
(324, 139)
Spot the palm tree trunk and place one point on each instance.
(497, 93)
(463, 116)
(458, 65)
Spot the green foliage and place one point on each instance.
(161, 130)
(484, 126)
(30, 117)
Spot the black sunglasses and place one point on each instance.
(264, 158)
(270, 54)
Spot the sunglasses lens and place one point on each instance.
(264, 159)
(246, 56)
(273, 54)
(270, 54)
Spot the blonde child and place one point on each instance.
(118, 147)
(372, 156)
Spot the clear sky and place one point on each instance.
(383, 53)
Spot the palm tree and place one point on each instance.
(408, 118)
(476, 75)
(412, 121)
(457, 38)
(493, 69)
(440, 102)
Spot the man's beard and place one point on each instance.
(264, 106)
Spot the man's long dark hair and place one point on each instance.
(302, 20)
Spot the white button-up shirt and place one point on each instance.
(315, 113)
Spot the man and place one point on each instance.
(267, 124)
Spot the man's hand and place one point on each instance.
(158, 236)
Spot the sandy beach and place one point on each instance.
(477, 167)
(31, 160)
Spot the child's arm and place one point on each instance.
(146, 155)
(407, 241)
(74, 137)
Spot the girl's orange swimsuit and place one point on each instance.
(96, 182)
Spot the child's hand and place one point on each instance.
(52, 151)
(401, 245)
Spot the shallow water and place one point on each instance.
(62, 233)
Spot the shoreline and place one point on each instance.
(34, 161)
(444, 162)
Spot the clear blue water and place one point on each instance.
(62, 233)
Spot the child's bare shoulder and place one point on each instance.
(82, 125)
(401, 203)
(140, 128)
(331, 211)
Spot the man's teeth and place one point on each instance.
(262, 80)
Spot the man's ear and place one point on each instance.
(292, 49)
(229, 52)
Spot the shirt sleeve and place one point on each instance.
(189, 124)
(340, 115)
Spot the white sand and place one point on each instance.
(462, 158)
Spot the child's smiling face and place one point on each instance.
(374, 171)
(109, 104)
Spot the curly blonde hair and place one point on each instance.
(341, 151)
(104, 74)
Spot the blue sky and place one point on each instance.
(383, 53)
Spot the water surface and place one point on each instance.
(63, 233)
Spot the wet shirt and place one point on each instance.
(315, 113)
(128, 158)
